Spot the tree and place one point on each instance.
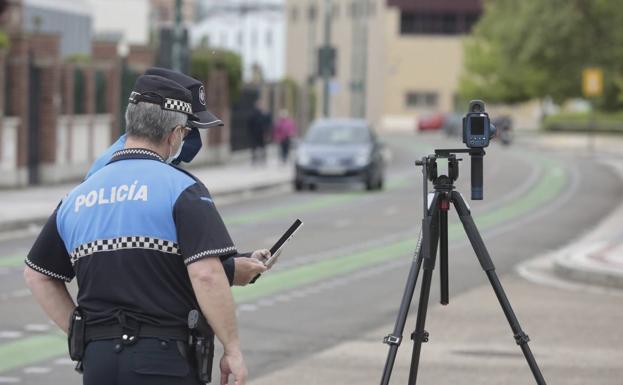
(526, 49)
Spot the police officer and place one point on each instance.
(241, 269)
(145, 242)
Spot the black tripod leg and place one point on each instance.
(443, 257)
(487, 265)
(420, 335)
(394, 339)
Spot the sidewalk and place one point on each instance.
(471, 343)
(596, 258)
(22, 208)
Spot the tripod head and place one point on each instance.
(446, 182)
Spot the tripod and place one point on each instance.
(435, 232)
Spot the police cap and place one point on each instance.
(168, 94)
(206, 118)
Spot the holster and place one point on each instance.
(202, 345)
(76, 335)
(204, 358)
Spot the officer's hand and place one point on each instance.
(245, 269)
(233, 363)
(261, 255)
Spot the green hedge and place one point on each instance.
(4, 40)
(584, 122)
(204, 61)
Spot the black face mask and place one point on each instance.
(190, 148)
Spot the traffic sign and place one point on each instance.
(592, 82)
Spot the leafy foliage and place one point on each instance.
(525, 49)
(204, 61)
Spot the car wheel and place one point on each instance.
(298, 185)
(380, 183)
(370, 185)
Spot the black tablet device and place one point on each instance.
(275, 250)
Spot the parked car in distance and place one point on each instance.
(430, 122)
(340, 151)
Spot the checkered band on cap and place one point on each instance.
(178, 105)
(169, 104)
(103, 245)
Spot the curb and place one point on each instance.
(579, 267)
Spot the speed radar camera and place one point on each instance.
(477, 128)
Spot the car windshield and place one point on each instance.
(338, 134)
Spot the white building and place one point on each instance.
(253, 29)
(124, 21)
(70, 19)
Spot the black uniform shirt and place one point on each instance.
(127, 233)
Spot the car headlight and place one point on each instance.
(362, 159)
(303, 158)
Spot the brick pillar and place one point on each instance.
(217, 95)
(113, 99)
(18, 73)
(104, 53)
(89, 106)
(2, 88)
(67, 104)
(48, 112)
(46, 52)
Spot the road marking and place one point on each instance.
(342, 223)
(12, 261)
(64, 362)
(32, 349)
(37, 370)
(247, 307)
(15, 294)
(10, 334)
(37, 327)
(9, 380)
(391, 210)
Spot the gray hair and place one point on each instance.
(149, 121)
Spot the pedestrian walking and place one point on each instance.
(145, 242)
(257, 127)
(285, 129)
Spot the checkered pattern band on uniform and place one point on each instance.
(138, 152)
(121, 243)
(178, 105)
(46, 272)
(210, 253)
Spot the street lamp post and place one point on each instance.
(176, 49)
(326, 74)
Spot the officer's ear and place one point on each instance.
(173, 134)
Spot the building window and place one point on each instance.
(417, 99)
(372, 8)
(447, 23)
(269, 38)
(240, 39)
(312, 13)
(335, 11)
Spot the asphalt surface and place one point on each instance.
(343, 275)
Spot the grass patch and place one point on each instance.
(601, 122)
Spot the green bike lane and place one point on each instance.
(37, 348)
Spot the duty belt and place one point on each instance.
(130, 336)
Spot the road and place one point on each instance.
(344, 274)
